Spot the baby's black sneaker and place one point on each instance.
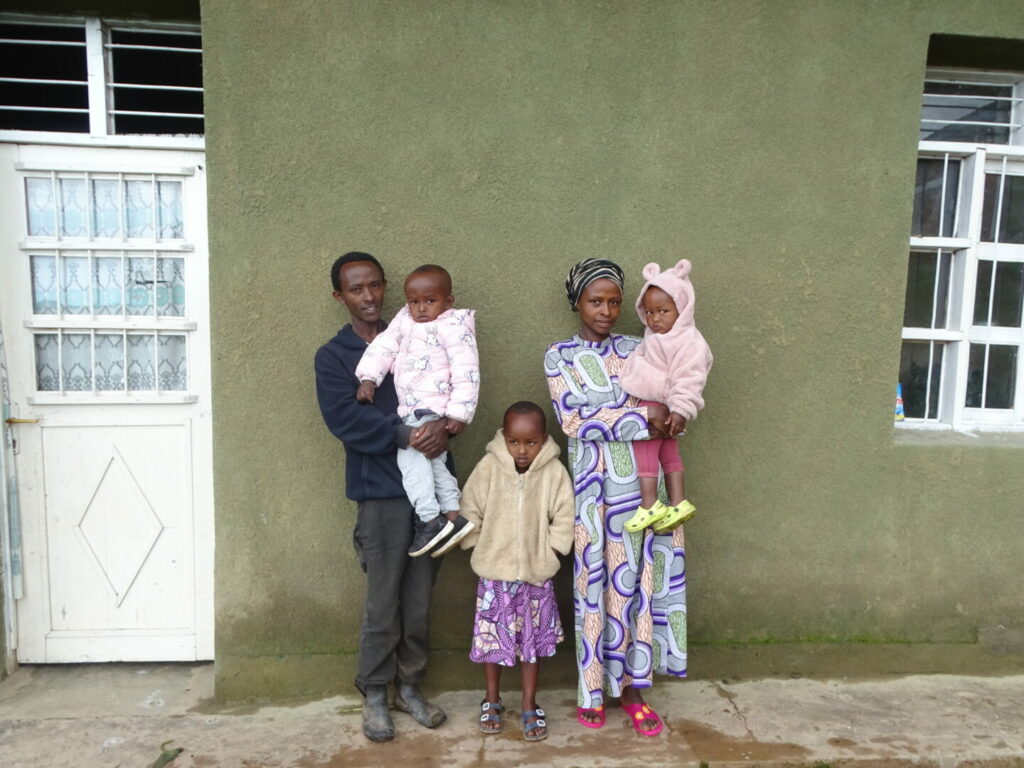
(461, 527)
(428, 535)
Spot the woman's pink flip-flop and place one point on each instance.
(640, 712)
(598, 711)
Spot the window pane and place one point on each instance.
(947, 106)
(170, 286)
(920, 378)
(106, 208)
(44, 284)
(138, 206)
(927, 289)
(141, 365)
(109, 362)
(1006, 299)
(47, 362)
(996, 380)
(171, 224)
(107, 285)
(76, 362)
(41, 207)
(73, 208)
(1011, 219)
(164, 67)
(173, 367)
(140, 281)
(935, 203)
(75, 285)
(40, 61)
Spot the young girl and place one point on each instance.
(670, 366)
(520, 498)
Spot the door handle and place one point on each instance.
(21, 421)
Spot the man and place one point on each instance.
(394, 640)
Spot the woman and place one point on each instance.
(630, 589)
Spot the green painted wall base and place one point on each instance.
(282, 678)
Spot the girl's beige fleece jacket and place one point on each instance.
(522, 520)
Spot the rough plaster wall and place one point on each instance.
(773, 143)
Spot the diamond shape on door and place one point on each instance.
(119, 527)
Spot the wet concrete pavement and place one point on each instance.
(119, 715)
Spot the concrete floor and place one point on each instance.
(119, 715)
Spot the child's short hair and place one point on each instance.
(524, 407)
(426, 269)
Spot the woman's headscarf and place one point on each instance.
(586, 272)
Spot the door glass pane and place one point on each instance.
(47, 362)
(76, 362)
(171, 216)
(41, 207)
(106, 208)
(927, 289)
(73, 208)
(1011, 218)
(44, 284)
(107, 285)
(920, 378)
(1005, 300)
(173, 367)
(996, 380)
(140, 281)
(141, 365)
(138, 206)
(109, 356)
(935, 202)
(170, 286)
(75, 285)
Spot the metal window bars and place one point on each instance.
(154, 106)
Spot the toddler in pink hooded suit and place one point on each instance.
(669, 367)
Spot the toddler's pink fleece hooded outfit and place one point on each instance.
(672, 367)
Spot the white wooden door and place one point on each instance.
(104, 302)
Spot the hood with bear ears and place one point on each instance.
(674, 281)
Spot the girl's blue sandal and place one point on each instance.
(490, 712)
(529, 729)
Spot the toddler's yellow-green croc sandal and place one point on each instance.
(644, 516)
(676, 516)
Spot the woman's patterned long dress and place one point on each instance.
(630, 588)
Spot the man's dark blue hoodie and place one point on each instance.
(371, 432)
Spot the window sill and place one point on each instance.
(130, 141)
(79, 398)
(909, 435)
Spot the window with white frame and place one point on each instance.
(963, 337)
(98, 77)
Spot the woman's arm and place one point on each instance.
(589, 405)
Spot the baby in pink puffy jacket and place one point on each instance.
(431, 349)
(668, 370)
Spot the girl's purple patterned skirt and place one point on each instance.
(514, 620)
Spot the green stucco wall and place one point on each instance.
(773, 143)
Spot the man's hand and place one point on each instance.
(676, 424)
(366, 391)
(431, 439)
(454, 426)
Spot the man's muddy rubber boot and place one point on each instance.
(409, 699)
(377, 725)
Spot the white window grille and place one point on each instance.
(961, 364)
(108, 254)
(101, 78)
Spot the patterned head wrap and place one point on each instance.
(586, 272)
